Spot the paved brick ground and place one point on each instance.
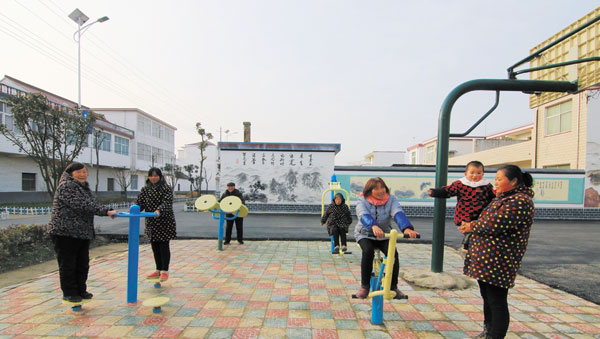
(278, 289)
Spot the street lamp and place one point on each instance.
(80, 19)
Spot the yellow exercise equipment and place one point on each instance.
(156, 303)
(206, 202)
(230, 204)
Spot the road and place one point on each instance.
(562, 254)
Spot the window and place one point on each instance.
(157, 155)
(144, 152)
(110, 184)
(144, 125)
(413, 157)
(8, 122)
(104, 138)
(558, 118)
(134, 182)
(28, 182)
(430, 154)
(121, 145)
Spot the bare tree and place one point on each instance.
(205, 136)
(124, 176)
(206, 178)
(98, 137)
(172, 173)
(51, 135)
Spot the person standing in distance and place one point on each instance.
(239, 222)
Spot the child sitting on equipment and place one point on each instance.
(338, 219)
(473, 193)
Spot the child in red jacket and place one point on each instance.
(473, 193)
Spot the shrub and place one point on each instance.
(25, 245)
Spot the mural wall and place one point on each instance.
(274, 176)
(592, 162)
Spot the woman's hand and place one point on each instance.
(157, 213)
(411, 233)
(112, 213)
(378, 231)
(465, 227)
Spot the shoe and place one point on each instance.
(399, 295)
(86, 295)
(154, 275)
(363, 293)
(241, 242)
(226, 243)
(72, 298)
(344, 248)
(336, 249)
(164, 276)
(483, 333)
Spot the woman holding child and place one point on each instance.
(499, 241)
(375, 210)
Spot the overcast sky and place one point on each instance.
(369, 75)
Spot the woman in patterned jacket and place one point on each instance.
(338, 219)
(71, 228)
(157, 197)
(499, 241)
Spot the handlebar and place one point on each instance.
(400, 235)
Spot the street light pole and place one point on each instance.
(81, 19)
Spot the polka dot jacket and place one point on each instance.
(500, 237)
(158, 197)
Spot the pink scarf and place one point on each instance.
(376, 202)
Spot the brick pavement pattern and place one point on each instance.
(279, 289)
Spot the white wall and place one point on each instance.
(287, 176)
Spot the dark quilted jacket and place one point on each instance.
(73, 209)
(500, 238)
(154, 197)
(337, 215)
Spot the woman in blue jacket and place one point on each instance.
(375, 210)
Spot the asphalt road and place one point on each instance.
(563, 254)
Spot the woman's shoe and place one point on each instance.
(164, 276)
(154, 275)
(336, 249)
(72, 298)
(363, 293)
(483, 333)
(344, 248)
(399, 295)
(86, 295)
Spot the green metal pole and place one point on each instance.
(441, 173)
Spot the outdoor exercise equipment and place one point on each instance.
(134, 216)
(231, 204)
(156, 303)
(381, 279)
(334, 187)
(76, 306)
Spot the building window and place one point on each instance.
(134, 182)
(144, 152)
(558, 118)
(430, 154)
(413, 158)
(121, 145)
(28, 182)
(110, 184)
(104, 138)
(144, 125)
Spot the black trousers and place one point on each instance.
(495, 309)
(239, 229)
(162, 255)
(73, 256)
(337, 233)
(368, 247)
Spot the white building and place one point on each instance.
(385, 158)
(189, 154)
(125, 133)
